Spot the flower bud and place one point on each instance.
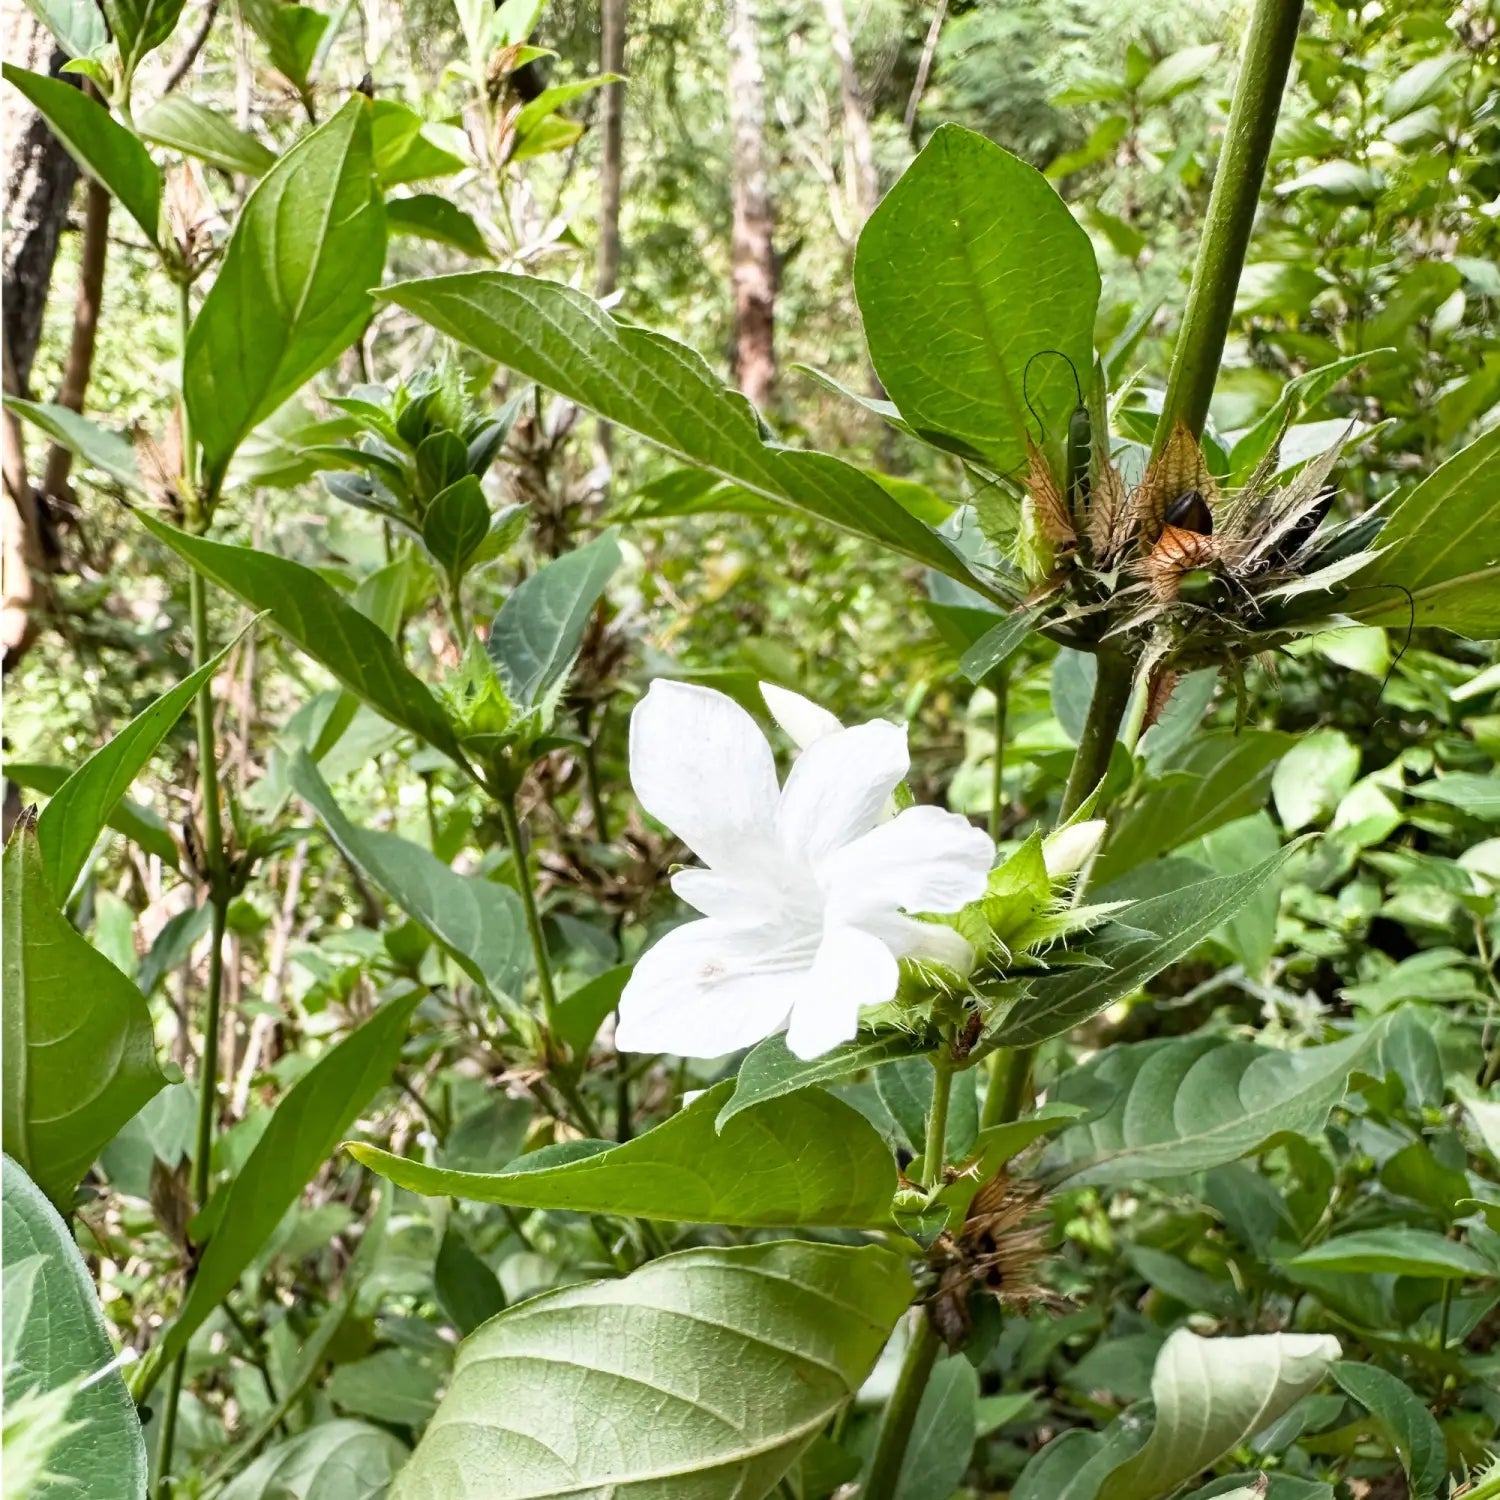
(1068, 850)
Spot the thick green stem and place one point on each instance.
(208, 1065)
(506, 802)
(1112, 688)
(167, 1435)
(901, 1412)
(937, 1120)
(1231, 216)
(1010, 1073)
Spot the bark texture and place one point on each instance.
(611, 137)
(861, 183)
(753, 259)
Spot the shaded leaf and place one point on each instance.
(1396, 1251)
(196, 130)
(1410, 1428)
(97, 446)
(338, 1459)
(429, 216)
(807, 1159)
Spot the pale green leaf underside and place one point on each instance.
(701, 1376)
(806, 1159)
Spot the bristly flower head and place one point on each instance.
(810, 889)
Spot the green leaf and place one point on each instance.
(997, 645)
(481, 923)
(971, 266)
(1422, 83)
(97, 446)
(1184, 1104)
(1161, 929)
(540, 626)
(291, 34)
(1477, 795)
(1298, 394)
(1409, 1427)
(293, 289)
(1395, 1251)
(313, 615)
(55, 1338)
(305, 1127)
(196, 130)
(569, 1394)
(405, 150)
(467, 1290)
(580, 1015)
(78, 25)
(1212, 780)
(808, 1159)
(1177, 73)
(664, 391)
(1441, 543)
(129, 818)
(105, 149)
(88, 799)
(140, 26)
(1313, 778)
(550, 100)
(79, 1054)
(942, 1436)
(455, 526)
(771, 1071)
(335, 1459)
(1212, 1394)
(429, 216)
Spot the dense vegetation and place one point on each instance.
(1076, 1072)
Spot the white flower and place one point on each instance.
(806, 892)
(804, 721)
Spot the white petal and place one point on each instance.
(1068, 850)
(699, 764)
(852, 969)
(924, 942)
(838, 788)
(707, 989)
(803, 720)
(743, 897)
(924, 859)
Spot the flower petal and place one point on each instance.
(707, 989)
(924, 942)
(699, 764)
(749, 896)
(924, 859)
(838, 788)
(852, 969)
(803, 720)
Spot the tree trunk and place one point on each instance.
(39, 181)
(924, 67)
(611, 60)
(753, 262)
(861, 183)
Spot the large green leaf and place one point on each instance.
(304, 1130)
(1152, 934)
(55, 1337)
(1212, 1394)
(313, 615)
(196, 130)
(942, 1436)
(1442, 543)
(701, 1375)
(78, 25)
(970, 268)
(771, 1070)
(1399, 1250)
(664, 391)
(806, 1159)
(540, 626)
(1214, 779)
(481, 923)
(79, 1054)
(86, 801)
(332, 1460)
(139, 823)
(100, 145)
(1184, 1104)
(1412, 1429)
(293, 289)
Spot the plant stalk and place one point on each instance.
(1000, 686)
(1112, 687)
(901, 1413)
(506, 802)
(1231, 216)
(937, 1120)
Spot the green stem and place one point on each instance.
(1112, 687)
(1231, 216)
(184, 421)
(167, 1437)
(934, 1149)
(1000, 686)
(1010, 1073)
(506, 802)
(208, 1069)
(901, 1412)
(1443, 1315)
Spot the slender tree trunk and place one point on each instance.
(754, 265)
(924, 68)
(861, 183)
(39, 179)
(611, 134)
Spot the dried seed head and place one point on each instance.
(1179, 470)
(1051, 509)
